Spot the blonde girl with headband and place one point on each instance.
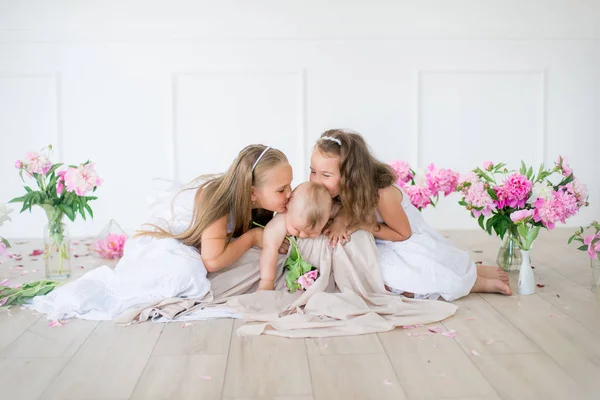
(415, 259)
(255, 186)
(209, 229)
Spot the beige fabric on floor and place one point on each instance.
(349, 298)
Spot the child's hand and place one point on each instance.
(266, 285)
(257, 237)
(337, 233)
(285, 246)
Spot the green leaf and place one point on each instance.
(39, 178)
(462, 203)
(54, 168)
(306, 267)
(523, 170)
(532, 235)
(492, 193)
(480, 221)
(584, 247)
(89, 209)
(565, 181)
(529, 172)
(67, 210)
(571, 239)
(79, 207)
(18, 199)
(28, 189)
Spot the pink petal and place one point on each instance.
(470, 319)
(489, 341)
(386, 381)
(451, 334)
(205, 377)
(475, 353)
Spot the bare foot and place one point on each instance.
(486, 285)
(487, 271)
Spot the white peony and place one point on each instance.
(540, 190)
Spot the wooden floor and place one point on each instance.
(544, 346)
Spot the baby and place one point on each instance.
(308, 210)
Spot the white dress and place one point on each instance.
(427, 264)
(150, 270)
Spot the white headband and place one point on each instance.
(259, 157)
(338, 141)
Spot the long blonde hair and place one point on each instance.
(361, 174)
(229, 193)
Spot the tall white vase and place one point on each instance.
(526, 278)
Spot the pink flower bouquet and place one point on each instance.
(521, 201)
(60, 192)
(425, 189)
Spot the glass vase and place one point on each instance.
(57, 246)
(595, 278)
(509, 256)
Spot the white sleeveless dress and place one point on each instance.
(426, 264)
(150, 270)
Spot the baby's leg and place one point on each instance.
(487, 285)
(490, 272)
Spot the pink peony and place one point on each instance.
(564, 166)
(18, 164)
(60, 182)
(111, 247)
(478, 197)
(502, 196)
(420, 195)
(37, 164)
(561, 206)
(488, 165)
(403, 171)
(593, 248)
(521, 215)
(471, 178)
(566, 204)
(441, 180)
(308, 279)
(578, 190)
(517, 189)
(82, 179)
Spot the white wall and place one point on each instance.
(175, 89)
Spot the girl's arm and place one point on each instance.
(217, 254)
(274, 235)
(395, 226)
